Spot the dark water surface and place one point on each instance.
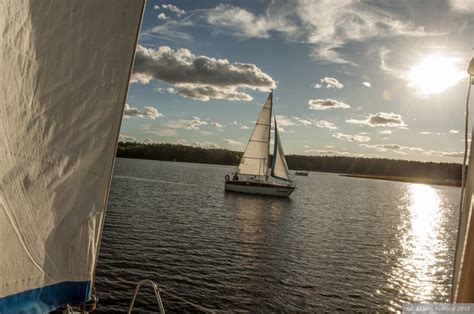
(338, 243)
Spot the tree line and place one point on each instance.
(338, 164)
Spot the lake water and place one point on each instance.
(338, 243)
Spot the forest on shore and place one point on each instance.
(375, 167)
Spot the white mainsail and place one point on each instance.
(65, 70)
(255, 158)
(279, 166)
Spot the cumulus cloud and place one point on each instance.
(351, 137)
(244, 127)
(199, 77)
(324, 104)
(156, 7)
(149, 112)
(329, 82)
(173, 9)
(386, 132)
(284, 121)
(381, 119)
(127, 138)
(232, 142)
(162, 16)
(217, 125)
(167, 90)
(207, 92)
(324, 124)
(453, 131)
(206, 144)
(192, 124)
(366, 84)
(302, 121)
(386, 147)
(305, 146)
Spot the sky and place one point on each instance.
(382, 79)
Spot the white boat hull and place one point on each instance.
(250, 187)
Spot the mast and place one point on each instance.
(269, 134)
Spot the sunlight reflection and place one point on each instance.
(420, 242)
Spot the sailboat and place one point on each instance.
(255, 174)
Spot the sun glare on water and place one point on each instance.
(434, 74)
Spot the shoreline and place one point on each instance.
(405, 179)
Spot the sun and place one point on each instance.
(434, 74)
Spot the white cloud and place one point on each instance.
(431, 133)
(284, 121)
(199, 77)
(232, 142)
(127, 138)
(326, 26)
(329, 152)
(453, 131)
(324, 124)
(243, 23)
(367, 84)
(351, 137)
(217, 125)
(329, 82)
(244, 127)
(462, 6)
(173, 9)
(162, 16)
(193, 124)
(381, 119)
(156, 7)
(167, 90)
(207, 92)
(444, 154)
(302, 121)
(206, 145)
(386, 147)
(324, 104)
(386, 132)
(148, 129)
(305, 146)
(149, 112)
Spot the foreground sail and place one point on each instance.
(252, 175)
(463, 277)
(65, 70)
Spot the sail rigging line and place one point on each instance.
(463, 185)
(111, 170)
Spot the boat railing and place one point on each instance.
(157, 290)
(157, 294)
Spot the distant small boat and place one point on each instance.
(253, 175)
(301, 173)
